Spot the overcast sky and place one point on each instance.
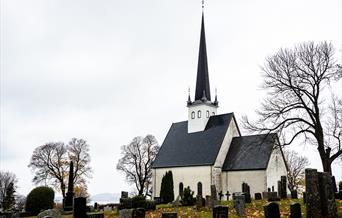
(107, 71)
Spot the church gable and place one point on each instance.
(250, 152)
(181, 148)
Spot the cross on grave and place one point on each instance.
(220, 195)
(227, 194)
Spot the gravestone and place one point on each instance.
(313, 198)
(220, 212)
(95, 206)
(272, 188)
(227, 194)
(271, 210)
(283, 186)
(80, 207)
(295, 210)
(124, 194)
(334, 184)
(199, 201)
(169, 215)
(328, 203)
(208, 201)
(245, 188)
(340, 186)
(264, 195)
(239, 205)
(53, 213)
(126, 213)
(247, 198)
(213, 193)
(257, 196)
(220, 195)
(279, 189)
(68, 202)
(294, 194)
(272, 196)
(304, 197)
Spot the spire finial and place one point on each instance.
(189, 99)
(202, 4)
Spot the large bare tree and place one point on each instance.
(50, 163)
(296, 165)
(299, 101)
(8, 185)
(137, 160)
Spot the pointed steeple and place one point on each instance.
(202, 83)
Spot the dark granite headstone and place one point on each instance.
(124, 194)
(68, 202)
(213, 193)
(264, 195)
(272, 188)
(220, 212)
(245, 188)
(279, 188)
(333, 180)
(313, 199)
(340, 195)
(80, 208)
(328, 203)
(247, 198)
(257, 196)
(199, 201)
(304, 197)
(283, 187)
(269, 189)
(272, 196)
(169, 215)
(239, 205)
(295, 210)
(294, 194)
(271, 210)
(95, 206)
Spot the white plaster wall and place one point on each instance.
(275, 169)
(232, 181)
(232, 131)
(189, 176)
(198, 124)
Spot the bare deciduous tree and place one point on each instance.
(50, 163)
(296, 165)
(296, 106)
(8, 185)
(137, 160)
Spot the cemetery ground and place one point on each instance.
(254, 209)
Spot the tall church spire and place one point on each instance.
(202, 83)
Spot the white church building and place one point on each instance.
(208, 148)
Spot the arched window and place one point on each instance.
(199, 188)
(213, 113)
(207, 114)
(180, 191)
(199, 114)
(193, 115)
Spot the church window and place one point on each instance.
(213, 113)
(193, 115)
(207, 114)
(199, 188)
(180, 189)
(199, 114)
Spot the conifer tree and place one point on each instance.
(166, 190)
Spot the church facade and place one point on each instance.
(208, 148)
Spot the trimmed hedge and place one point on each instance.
(39, 199)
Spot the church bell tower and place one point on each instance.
(202, 108)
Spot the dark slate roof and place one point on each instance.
(202, 83)
(181, 148)
(249, 152)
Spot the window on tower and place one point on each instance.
(207, 114)
(193, 115)
(213, 113)
(199, 114)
